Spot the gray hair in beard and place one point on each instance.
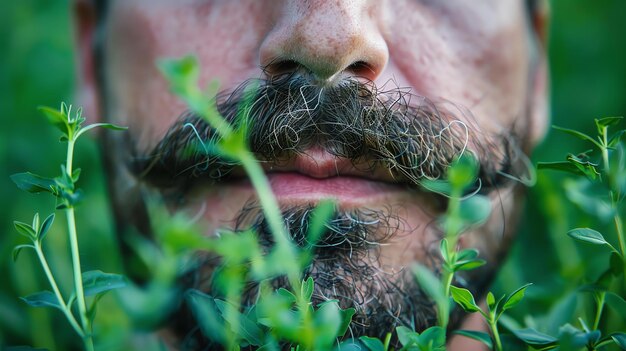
(286, 116)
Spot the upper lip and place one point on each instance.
(320, 164)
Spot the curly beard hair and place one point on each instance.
(284, 117)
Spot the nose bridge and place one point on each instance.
(327, 37)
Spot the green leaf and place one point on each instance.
(407, 336)
(436, 186)
(93, 309)
(35, 224)
(18, 249)
(319, 218)
(615, 138)
(579, 135)
(248, 329)
(620, 339)
(534, 338)
(182, 73)
(587, 168)
(463, 171)
(583, 193)
(96, 282)
(515, 297)
(608, 121)
(476, 335)
(563, 166)
(57, 118)
(346, 317)
(33, 183)
(469, 265)
(443, 248)
(76, 175)
(45, 227)
(97, 125)
(491, 301)
(464, 298)
(590, 236)
(616, 303)
(237, 247)
(327, 320)
(207, 315)
(372, 344)
(467, 255)
(475, 209)
(346, 345)
(571, 338)
(307, 289)
(42, 299)
(433, 338)
(287, 294)
(25, 230)
(602, 123)
(431, 285)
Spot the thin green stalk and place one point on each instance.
(493, 325)
(57, 292)
(387, 341)
(600, 301)
(266, 196)
(607, 170)
(78, 278)
(605, 151)
(452, 237)
(620, 232)
(274, 217)
(270, 207)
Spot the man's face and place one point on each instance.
(357, 101)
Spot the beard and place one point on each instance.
(408, 136)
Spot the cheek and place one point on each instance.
(471, 55)
(140, 35)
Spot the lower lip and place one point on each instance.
(291, 185)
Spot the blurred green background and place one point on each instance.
(37, 67)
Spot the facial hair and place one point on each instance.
(286, 116)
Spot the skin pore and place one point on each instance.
(473, 70)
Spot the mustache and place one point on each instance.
(287, 115)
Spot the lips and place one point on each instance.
(317, 175)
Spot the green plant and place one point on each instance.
(288, 315)
(63, 188)
(598, 191)
(282, 315)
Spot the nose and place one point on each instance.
(326, 38)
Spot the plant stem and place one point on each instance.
(57, 292)
(493, 325)
(270, 208)
(452, 234)
(78, 278)
(605, 152)
(274, 217)
(620, 232)
(387, 341)
(607, 170)
(600, 301)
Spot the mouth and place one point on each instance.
(316, 175)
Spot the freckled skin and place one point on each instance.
(472, 54)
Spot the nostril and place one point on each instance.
(279, 67)
(361, 69)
